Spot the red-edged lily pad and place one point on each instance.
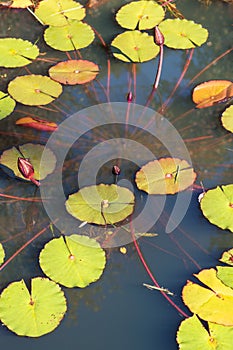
(165, 176)
(36, 123)
(74, 72)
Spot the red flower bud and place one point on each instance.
(116, 170)
(26, 169)
(130, 97)
(158, 36)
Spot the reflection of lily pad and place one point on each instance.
(212, 304)
(76, 35)
(192, 335)
(9, 158)
(102, 204)
(32, 313)
(183, 34)
(73, 261)
(134, 46)
(227, 257)
(74, 72)
(144, 14)
(17, 52)
(217, 206)
(2, 254)
(227, 119)
(57, 12)
(34, 90)
(165, 176)
(7, 105)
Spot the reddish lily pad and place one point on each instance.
(165, 176)
(34, 90)
(36, 123)
(227, 119)
(217, 206)
(74, 72)
(7, 105)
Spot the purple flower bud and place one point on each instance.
(158, 36)
(116, 170)
(26, 169)
(130, 97)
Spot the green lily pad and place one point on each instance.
(227, 118)
(225, 274)
(74, 72)
(227, 257)
(192, 335)
(183, 34)
(34, 90)
(7, 105)
(59, 12)
(141, 14)
(17, 52)
(134, 46)
(165, 176)
(73, 36)
(102, 204)
(217, 206)
(33, 313)
(9, 158)
(2, 254)
(73, 261)
(212, 303)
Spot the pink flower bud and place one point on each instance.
(158, 36)
(26, 169)
(116, 170)
(130, 97)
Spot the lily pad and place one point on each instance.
(225, 274)
(74, 72)
(134, 46)
(34, 90)
(212, 303)
(73, 261)
(183, 34)
(17, 52)
(73, 36)
(21, 4)
(7, 105)
(165, 176)
(36, 123)
(217, 206)
(2, 254)
(227, 257)
(32, 313)
(9, 158)
(141, 14)
(227, 119)
(59, 12)
(192, 335)
(211, 92)
(102, 204)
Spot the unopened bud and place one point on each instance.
(116, 170)
(26, 169)
(158, 36)
(130, 97)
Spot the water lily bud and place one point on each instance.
(116, 170)
(130, 97)
(26, 169)
(158, 36)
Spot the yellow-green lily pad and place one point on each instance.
(225, 274)
(101, 204)
(9, 159)
(73, 261)
(35, 312)
(7, 105)
(134, 46)
(59, 12)
(227, 118)
(140, 14)
(227, 257)
(217, 206)
(165, 176)
(17, 52)
(2, 254)
(182, 34)
(73, 36)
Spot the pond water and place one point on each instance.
(118, 311)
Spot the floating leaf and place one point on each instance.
(32, 313)
(59, 12)
(212, 304)
(34, 90)
(225, 274)
(7, 105)
(192, 335)
(9, 158)
(73, 261)
(134, 46)
(227, 119)
(102, 204)
(2, 254)
(217, 206)
(141, 14)
(21, 3)
(73, 36)
(36, 123)
(165, 176)
(74, 72)
(17, 52)
(227, 257)
(211, 92)
(183, 34)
